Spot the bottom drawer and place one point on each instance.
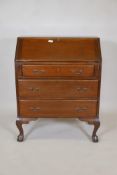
(58, 108)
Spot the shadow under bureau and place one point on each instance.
(58, 78)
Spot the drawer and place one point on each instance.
(58, 108)
(55, 89)
(58, 70)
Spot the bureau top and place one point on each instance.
(58, 49)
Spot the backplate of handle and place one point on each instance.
(35, 109)
(34, 89)
(82, 89)
(78, 72)
(81, 109)
(38, 71)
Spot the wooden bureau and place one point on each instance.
(58, 78)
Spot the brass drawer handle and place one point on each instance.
(37, 71)
(82, 89)
(35, 109)
(81, 109)
(78, 72)
(36, 89)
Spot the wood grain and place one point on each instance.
(57, 108)
(58, 89)
(61, 49)
(57, 70)
(58, 77)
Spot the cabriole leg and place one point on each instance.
(20, 137)
(96, 124)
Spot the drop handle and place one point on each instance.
(34, 89)
(81, 109)
(35, 109)
(38, 71)
(82, 89)
(79, 72)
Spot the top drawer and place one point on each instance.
(58, 70)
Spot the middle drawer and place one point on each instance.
(57, 89)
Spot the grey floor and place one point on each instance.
(58, 147)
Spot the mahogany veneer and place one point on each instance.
(58, 77)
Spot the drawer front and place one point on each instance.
(54, 89)
(58, 108)
(58, 70)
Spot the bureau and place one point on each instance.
(58, 78)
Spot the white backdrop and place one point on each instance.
(58, 18)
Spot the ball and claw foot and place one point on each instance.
(20, 138)
(95, 138)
